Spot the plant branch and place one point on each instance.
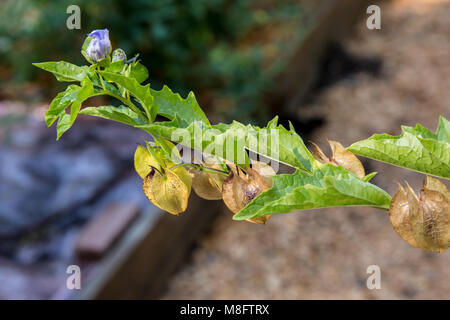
(126, 102)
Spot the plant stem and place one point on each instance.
(124, 101)
(101, 81)
(198, 166)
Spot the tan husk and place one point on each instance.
(340, 156)
(423, 222)
(240, 188)
(399, 215)
(265, 171)
(207, 185)
(318, 154)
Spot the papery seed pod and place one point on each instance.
(228, 192)
(99, 46)
(167, 190)
(340, 156)
(265, 171)
(144, 161)
(318, 154)
(241, 188)
(423, 222)
(207, 185)
(399, 214)
(183, 174)
(260, 220)
(436, 185)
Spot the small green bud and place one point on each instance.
(118, 55)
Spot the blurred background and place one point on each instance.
(79, 202)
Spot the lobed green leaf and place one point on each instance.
(139, 72)
(66, 121)
(141, 93)
(63, 71)
(182, 111)
(60, 103)
(230, 141)
(63, 124)
(120, 114)
(327, 186)
(416, 149)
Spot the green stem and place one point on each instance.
(128, 103)
(202, 168)
(125, 101)
(101, 81)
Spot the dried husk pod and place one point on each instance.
(340, 156)
(206, 184)
(143, 161)
(423, 221)
(240, 188)
(168, 189)
(265, 171)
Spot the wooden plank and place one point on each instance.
(101, 232)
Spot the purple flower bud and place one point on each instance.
(99, 46)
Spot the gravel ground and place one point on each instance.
(324, 254)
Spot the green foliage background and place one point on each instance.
(186, 44)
